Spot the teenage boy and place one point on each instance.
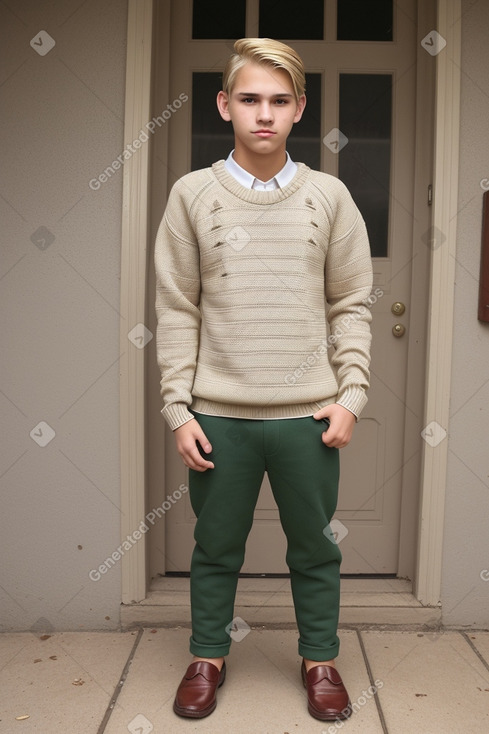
(254, 257)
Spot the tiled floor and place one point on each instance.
(401, 682)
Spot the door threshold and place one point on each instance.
(186, 575)
(267, 602)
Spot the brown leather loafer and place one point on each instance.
(327, 696)
(196, 694)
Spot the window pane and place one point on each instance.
(213, 138)
(364, 20)
(364, 164)
(215, 19)
(289, 19)
(304, 143)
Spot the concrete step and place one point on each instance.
(267, 602)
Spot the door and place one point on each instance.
(359, 124)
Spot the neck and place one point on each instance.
(261, 166)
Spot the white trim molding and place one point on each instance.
(133, 295)
(442, 281)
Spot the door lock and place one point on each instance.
(398, 308)
(398, 330)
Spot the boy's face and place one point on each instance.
(262, 107)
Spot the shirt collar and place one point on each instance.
(280, 180)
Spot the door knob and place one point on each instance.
(398, 330)
(398, 308)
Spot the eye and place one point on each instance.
(248, 100)
(281, 102)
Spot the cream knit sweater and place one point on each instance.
(260, 298)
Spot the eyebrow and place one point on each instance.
(254, 94)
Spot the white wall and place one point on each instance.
(60, 322)
(465, 594)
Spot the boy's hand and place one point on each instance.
(342, 422)
(186, 437)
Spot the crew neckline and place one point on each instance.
(247, 179)
(255, 196)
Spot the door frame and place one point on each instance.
(134, 265)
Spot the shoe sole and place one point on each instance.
(327, 717)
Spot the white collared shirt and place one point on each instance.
(279, 181)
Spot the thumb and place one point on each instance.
(322, 414)
(204, 442)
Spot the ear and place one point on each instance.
(223, 106)
(300, 108)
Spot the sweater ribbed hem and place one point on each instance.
(176, 414)
(258, 412)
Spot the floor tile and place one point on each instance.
(431, 682)
(63, 683)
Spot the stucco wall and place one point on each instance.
(465, 583)
(59, 302)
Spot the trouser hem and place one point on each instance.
(209, 651)
(319, 654)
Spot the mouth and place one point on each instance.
(264, 133)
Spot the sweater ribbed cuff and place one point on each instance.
(353, 399)
(176, 415)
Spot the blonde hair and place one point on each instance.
(267, 52)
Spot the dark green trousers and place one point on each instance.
(304, 475)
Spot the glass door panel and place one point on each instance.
(288, 19)
(365, 20)
(213, 19)
(365, 118)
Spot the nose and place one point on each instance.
(265, 113)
